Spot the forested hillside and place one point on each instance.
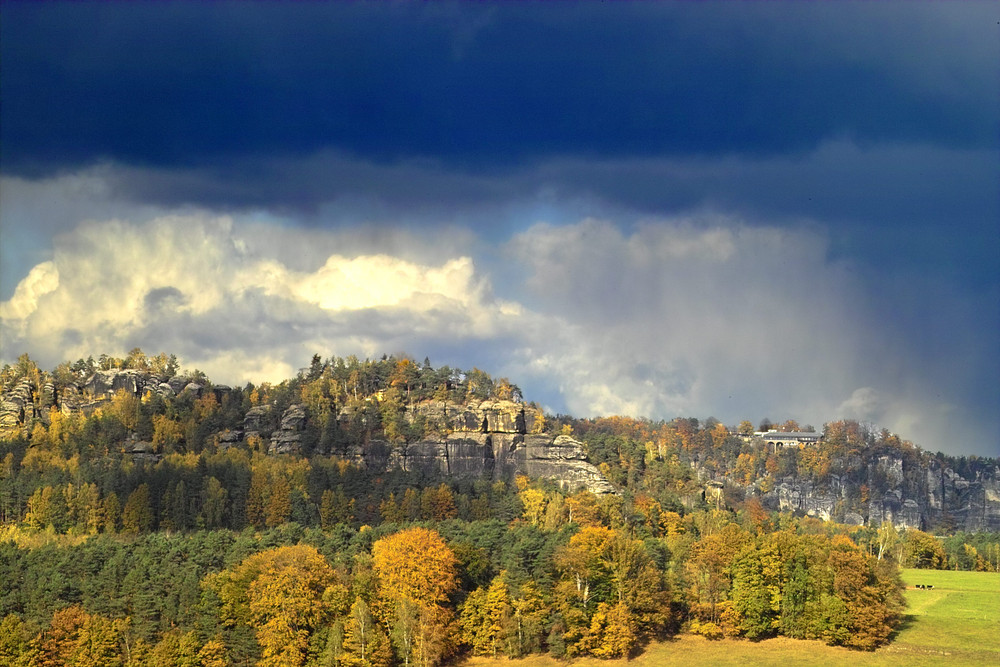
(388, 512)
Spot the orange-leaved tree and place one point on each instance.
(77, 638)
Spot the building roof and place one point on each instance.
(788, 435)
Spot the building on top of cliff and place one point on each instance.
(784, 438)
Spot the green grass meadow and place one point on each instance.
(959, 619)
(957, 623)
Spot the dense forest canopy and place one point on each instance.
(148, 523)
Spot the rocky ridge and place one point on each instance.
(479, 440)
(494, 440)
(921, 492)
(476, 440)
(24, 402)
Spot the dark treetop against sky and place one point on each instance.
(783, 210)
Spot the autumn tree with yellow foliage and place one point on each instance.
(416, 566)
(282, 594)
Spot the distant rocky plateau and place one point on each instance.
(495, 440)
(484, 440)
(924, 492)
(480, 440)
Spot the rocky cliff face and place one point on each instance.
(16, 406)
(921, 492)
(24, 402)
(494, 440)
(480, 440)
(496, 456)
(476, 416)
(287, 439)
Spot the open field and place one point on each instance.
(958, 618)
(955, 624)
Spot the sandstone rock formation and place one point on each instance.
(23, 401)
(487, 440)
(105, 383)
(228, 438)
(16, 406)
(920, 492)
(481, 416)
(494, 439)
(287, 439)
(256, 421)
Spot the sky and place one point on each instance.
(745, 211)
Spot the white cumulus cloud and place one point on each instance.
(41, 280)
(189, 284)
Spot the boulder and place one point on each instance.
(854, 519)
(193, 388)
(177, 384)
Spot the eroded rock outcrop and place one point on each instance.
(487, 440)
(473, 438)
(915, 492)
(228, 438)
(24, 401)
(476, 416)
(287, 438)
(104, 384)
(257, 421)
(16, 406)
(562, 460)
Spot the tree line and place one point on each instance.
(426, 591)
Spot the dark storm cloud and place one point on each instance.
(890, 206)
(187, 84)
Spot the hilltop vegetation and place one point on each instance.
(149, 520)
